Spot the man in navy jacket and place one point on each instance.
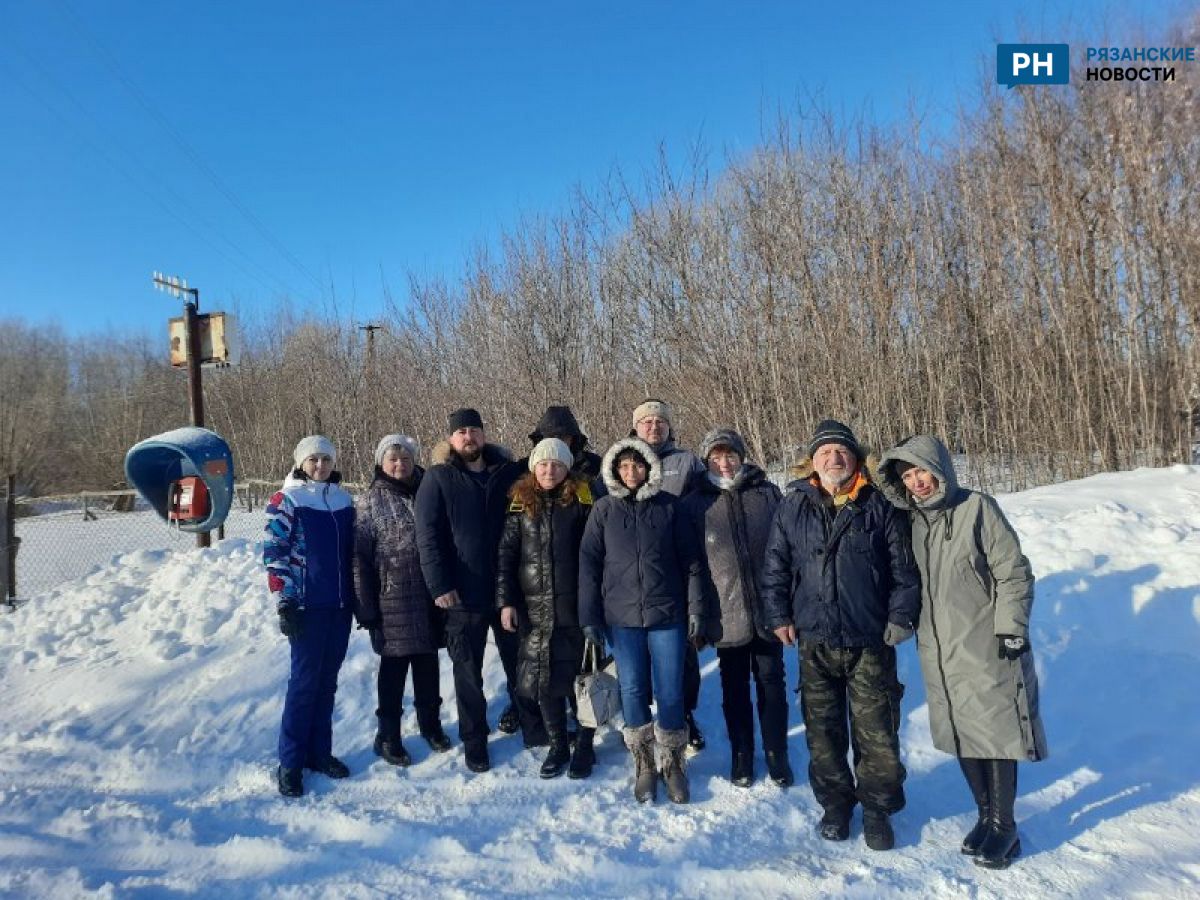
(840, 579)
(460, 512)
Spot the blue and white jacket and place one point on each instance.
(307, 550)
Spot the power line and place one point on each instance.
(177, 201)
(109, 60)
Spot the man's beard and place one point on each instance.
(471, 455)
(832, 483)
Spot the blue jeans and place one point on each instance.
(645, 653)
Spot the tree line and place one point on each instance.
(1027, 288)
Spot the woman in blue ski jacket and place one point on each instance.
(307, 553)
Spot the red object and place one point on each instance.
(189, 500)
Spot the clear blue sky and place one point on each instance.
(270, 148)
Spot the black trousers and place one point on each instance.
(764, 660)
(393, 673)
(857, 684)
(466, 640)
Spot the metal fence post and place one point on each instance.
(8, 542)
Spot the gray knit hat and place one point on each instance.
(551, 448)
(723, 437)
(403, 441)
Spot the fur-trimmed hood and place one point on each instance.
(493, 454)
(803, 470)
(614, 484)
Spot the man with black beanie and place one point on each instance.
(840, 580)
(460, 513)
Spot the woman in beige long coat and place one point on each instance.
(972, 637)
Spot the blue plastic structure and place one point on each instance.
(152, 465)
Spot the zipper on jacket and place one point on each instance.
(937, 640)
(338, 533)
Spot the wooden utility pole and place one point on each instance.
(178, 287)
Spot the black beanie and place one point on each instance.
(464, 418)
(832, 431)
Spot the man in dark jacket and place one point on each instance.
(840, 578)
(559, 422)
(682, 471)
(460, 512)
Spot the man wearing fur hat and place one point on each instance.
(681, 472)
(461, 506)
(840, 580)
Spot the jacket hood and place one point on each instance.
(614, 484)
(493, 454)
(926, 452)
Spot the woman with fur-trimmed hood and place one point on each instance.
(537, 593)
(973, 635)
(637, 557)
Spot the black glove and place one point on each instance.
(375, 632)
(1011, 647)
(595, 635)
(695, 630)
(291, 621)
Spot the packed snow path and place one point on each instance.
(141, 705)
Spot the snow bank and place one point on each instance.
(141, 704)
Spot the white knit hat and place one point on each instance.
(551, 448)
(313, 445)
(403, 441)
(648, 408)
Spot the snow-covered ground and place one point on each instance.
(141, 702)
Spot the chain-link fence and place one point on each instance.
(64, 537)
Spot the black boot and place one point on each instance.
(476, 754)
(741, 771)
(975, 771)
(331, 767)
(835, 824)
(779, 768)
(877, 830)
(1000, 845)
(388, 743)
(695, 738)
(431, 730)
(290, 782)
(558, 757)
(510, 721)
(583, 759)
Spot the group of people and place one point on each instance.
(656, 552)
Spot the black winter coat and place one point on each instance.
(638, 554)
(389, 588)
(840, 576)
(537, 573)
(458, 525)
(732, 526)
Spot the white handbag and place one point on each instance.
(597, 692)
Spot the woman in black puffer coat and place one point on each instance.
(537, 578)
(392, 602)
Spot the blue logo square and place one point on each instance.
(1033, 64)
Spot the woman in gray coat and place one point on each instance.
(973, 636)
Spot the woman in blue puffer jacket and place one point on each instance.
(307, 553)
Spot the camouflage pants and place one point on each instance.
(858, 684)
